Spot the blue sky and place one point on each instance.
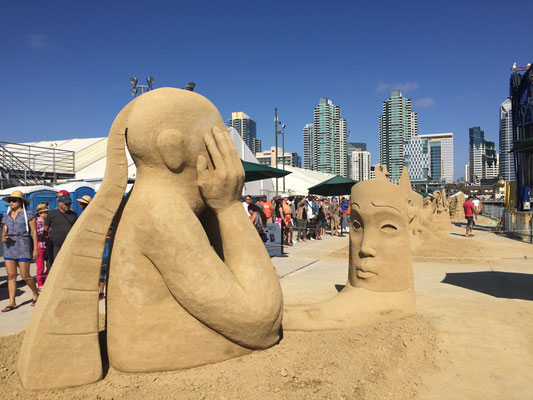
(65, 66)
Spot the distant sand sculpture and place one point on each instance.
(441, 212)
(457, 212)
(190, 281)
(380, 275)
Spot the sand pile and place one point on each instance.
(379, 362)
(448, 248)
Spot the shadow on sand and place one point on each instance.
(484, 228)
(507, 285)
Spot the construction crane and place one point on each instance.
(519, 68)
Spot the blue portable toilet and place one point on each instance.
(35, 194)
(77, 190)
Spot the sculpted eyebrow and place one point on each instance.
(355, 204)
(376, 204)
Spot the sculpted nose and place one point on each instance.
(367, 248)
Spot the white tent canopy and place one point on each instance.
(300, 180)
(91, 161)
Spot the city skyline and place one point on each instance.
(65, 78)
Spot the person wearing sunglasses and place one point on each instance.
(19, 233)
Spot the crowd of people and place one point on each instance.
(39, 237)
(301, 218)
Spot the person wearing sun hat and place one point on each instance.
(84, 201)
(19, 233)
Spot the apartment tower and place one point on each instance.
(325, 140)
(506, 160)
(396, 125)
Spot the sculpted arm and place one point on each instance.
(240, 296)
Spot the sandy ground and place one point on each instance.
(472, 339)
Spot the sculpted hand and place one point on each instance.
(223, 185)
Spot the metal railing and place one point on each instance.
(512, 223)
(494, 211)
(22, 164)
(13, 172)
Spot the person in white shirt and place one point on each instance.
(477, 204)
(247, 201)
(311, 217)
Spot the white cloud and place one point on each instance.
(38, 41)
(425, 102)
(405, 86)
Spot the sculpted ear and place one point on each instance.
(170, 146)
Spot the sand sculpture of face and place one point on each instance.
(380, 253)
(380, 283)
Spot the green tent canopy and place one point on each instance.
(256, 172)
(335, 186)
(523, 146)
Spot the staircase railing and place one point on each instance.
(22, 164)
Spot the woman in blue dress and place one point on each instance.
(19, 232)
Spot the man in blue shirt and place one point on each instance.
(345, 209)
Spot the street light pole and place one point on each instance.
(283, 152)
(276, 135)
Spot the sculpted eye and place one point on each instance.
(389, 228)
(356, 225)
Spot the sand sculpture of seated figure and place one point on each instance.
(190, 281)
(380, 276)
(174, 300)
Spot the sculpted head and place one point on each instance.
(380, 250)
(165, 134)
(166, 128)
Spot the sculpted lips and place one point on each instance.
(364, 273)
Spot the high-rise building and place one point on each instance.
(357, 145)
(246, 127)
(441, 156)
(506, 159)
(256, 145)
(268, 157)
(482, 157)
(397, 124)
(351, 147)
(325, 140)
(360, 168)
(493, 169)
(308, 146)
(417, 159)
